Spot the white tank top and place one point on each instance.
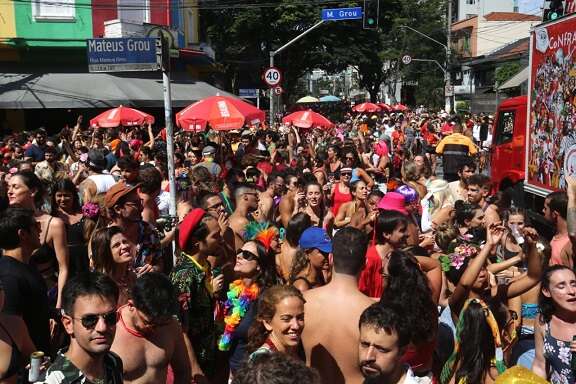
(103, 182)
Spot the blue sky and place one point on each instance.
(530, 6)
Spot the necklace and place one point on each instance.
(101, 380)
(239, 299)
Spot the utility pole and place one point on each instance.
(447, 80)
(274, 53)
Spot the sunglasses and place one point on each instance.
(89, 321)
(247, 255)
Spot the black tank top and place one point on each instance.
(16, 359)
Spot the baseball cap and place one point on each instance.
(118, 191)
(315, 237)
(208, 150)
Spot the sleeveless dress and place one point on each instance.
(77, 248)
(44, 259)
(558, 357)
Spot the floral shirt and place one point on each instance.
(558, 358)
(148, 250)
(62, 371)
(194, 290)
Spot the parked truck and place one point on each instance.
(534, 136)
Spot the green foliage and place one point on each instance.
(463, 106)
(242, 39)
(506, 71)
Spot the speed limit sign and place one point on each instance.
(406, 59)
(272, 76)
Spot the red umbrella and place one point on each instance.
(307, 119)
(221, 112)
(400, 107)
(366, 107)
(385, 107)
(121, 116)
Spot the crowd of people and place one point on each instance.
(374, 252)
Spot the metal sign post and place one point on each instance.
(165, 59)
(273, 53)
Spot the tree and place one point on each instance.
(243, 37)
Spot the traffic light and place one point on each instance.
(370, 14)
(553, 10)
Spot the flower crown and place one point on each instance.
(91, 210)
(458, 253)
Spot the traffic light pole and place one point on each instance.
(447, 81)
(274, 53)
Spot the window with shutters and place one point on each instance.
(54, 10)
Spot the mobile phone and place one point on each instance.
(217, 271)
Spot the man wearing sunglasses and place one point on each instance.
(149, 336)
(89, 317)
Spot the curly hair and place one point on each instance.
(257, 334)
(409, 292)
(300, 262)
(463, 212)
(276, 368)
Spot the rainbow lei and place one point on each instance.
(235, 307)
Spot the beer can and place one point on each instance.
(36, 359)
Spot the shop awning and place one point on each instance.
(96, 90)
(516, 80)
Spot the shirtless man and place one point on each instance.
(478, 190)
(291, 200)
(332, 313)
(246, 197)
(148, 336)
(275, 188)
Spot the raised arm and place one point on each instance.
(494, 234)
(518, 287)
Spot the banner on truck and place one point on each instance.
(552, 129)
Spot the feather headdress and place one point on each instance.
(263, 232)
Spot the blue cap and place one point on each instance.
(315, 237)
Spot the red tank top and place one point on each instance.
(339, 198)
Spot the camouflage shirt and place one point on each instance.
(62, 371)
(194, 289)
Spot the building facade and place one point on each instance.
(465, 9)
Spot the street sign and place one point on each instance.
(342, 14)
(248, 93)
(278, 90)
(449, 90)
(124, 54)
(272, 76)
(406, 59)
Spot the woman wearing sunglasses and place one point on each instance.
(311, 263)
(112, 254)
(279, 322)
(351, 161)
(255, 272)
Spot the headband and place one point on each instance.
(450, 367)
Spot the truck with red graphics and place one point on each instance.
(534, 136)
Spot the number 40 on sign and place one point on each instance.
(272, 76)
